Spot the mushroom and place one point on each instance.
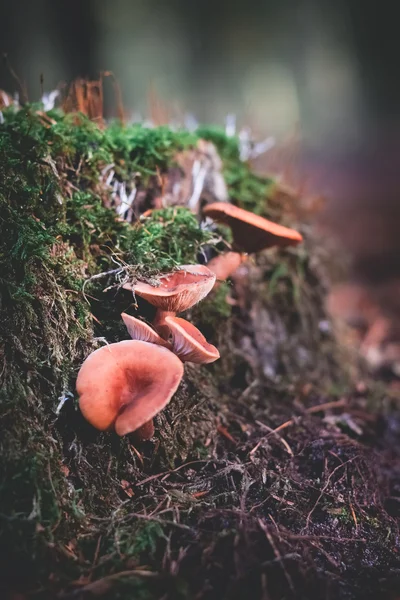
(124, 385)
(175, 292)
(251, 233)
(224, 265)
(189, 343)
(138, 330)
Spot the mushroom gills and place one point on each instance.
(188, 343)
(139, 330)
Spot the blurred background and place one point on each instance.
(325, 69)
(328, 66)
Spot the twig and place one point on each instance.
(300, 537)
(102, 586)
(328, 557)
(278, 555)
(161, 521)
(96, 557)
(256, 447)
(325, 488)
(22, 86)
(248, 390)
(169, 472)
(223, 431)
(99, 276)
(312, 410)
(281, 439)
(353, 514)
(118, 95)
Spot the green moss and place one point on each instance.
(56, 231)
(246, 189)
(148, 151)
(165, 239)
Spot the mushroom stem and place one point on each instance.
(145, 432)
(159, 323)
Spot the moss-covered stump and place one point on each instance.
(274, 473)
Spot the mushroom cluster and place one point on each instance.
(124, 385)
(176, 292)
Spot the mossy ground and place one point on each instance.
(219, 505)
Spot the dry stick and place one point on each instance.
(102, 585)
(325, 488)
(353, 514)
(278, 555)
(118, 96)
(157, 508)
(95, 558)
(223, 431)
(21, 85)
(161, 521)
(311, 410)
(300, 537)
(256, 447)
(169, 472)
(285, 534)
(281, 439)
(328, 557)
(136, 451)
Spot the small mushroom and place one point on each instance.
(138, 330)
(251, 233)
(175, 292)
(189, 343)
(124, 385)
(224, 265)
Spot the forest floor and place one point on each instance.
(274, 472)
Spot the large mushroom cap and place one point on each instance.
(189, 343)
(251, 233)
(126, 384)
(177, 291)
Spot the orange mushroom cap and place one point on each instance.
(224, 265)
(177, 291)
(251, 232)
(139, 330)
(189, 343)
(126, 384)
